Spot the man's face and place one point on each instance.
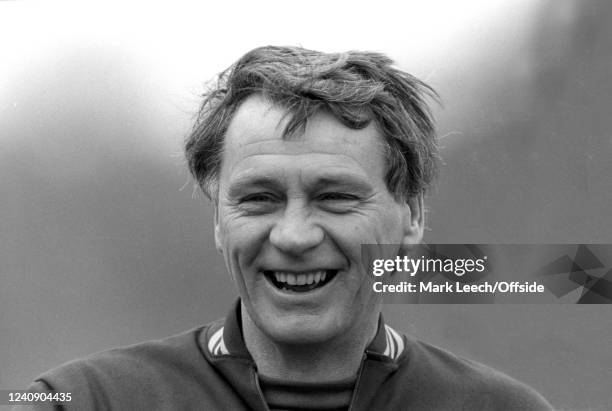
(292, 215)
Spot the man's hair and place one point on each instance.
(355, 87)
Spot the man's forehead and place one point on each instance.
(285, 147)
(258, 128)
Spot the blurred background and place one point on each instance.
(103, 242)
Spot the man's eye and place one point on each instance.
(258, 198)
(337, 197)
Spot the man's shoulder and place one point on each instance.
(167, 352)
(476, 385)
(151, 372)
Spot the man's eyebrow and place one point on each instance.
(249, 181)
(341, 181)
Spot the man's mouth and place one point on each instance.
(300, 282)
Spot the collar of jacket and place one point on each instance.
(225, 349)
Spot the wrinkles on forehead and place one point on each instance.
(362, 147)
(317, 150)
(317, 161)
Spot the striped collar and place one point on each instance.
(226, 338)
(216, 343)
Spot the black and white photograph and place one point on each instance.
(306, 206)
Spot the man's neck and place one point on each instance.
(328, 361)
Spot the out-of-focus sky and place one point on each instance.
(102, 242)
(181, 45)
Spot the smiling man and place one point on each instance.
(306, 156)
(292, 213)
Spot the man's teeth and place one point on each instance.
(301, 278)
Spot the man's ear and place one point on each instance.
(414, 221)
(218, 236)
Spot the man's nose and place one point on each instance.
(295, 232)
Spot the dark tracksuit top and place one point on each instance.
(209, 368)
